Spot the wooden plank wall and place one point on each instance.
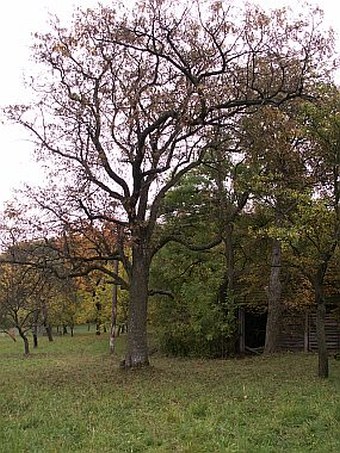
(299, 332)
(332, 333)
(293, 330)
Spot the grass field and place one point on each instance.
(70, 396)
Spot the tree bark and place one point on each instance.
(25, 340)
(114, 312)
(26, 345)
(98, 306)
(35, 329)
(48, 330)
(227, 290)
(274, 318)
(47, 325)
(230, 257)
(323, 366)
(35, 338)
(137, 350)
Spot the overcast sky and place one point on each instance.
(18, 20)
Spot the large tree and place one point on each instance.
(277, 153)
(131, 99)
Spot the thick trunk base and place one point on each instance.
(323, 367)
(274, 319)
(26, 346)
(48, 330)
(135, 361)
(273, 331)
(137, 349)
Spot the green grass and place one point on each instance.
(70, 396)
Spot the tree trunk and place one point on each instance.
(48, 329)
(227, 292)
(114, 312)
(321, 330)
(46, 324)
(25, 340)
(274, 318)
(35, 338)
(35, 329)
(26, 345)
(137, 350)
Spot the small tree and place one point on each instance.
(19, 288)
(318, 219)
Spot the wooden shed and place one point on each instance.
(298, 330)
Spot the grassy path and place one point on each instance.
(70, 396)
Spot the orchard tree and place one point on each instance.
(317, 224)
(314, 244)
(19, 289)
(130, 100)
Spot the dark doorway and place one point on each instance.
(255, 329)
